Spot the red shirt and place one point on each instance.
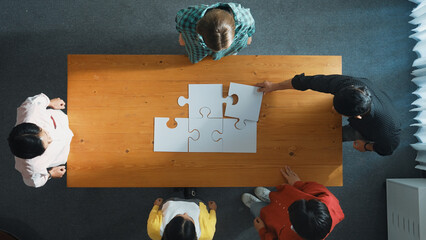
(275, 215)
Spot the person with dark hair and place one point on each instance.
(374, 124)
(219, 30)
(182, 219)
(297, 210)
(25, 141)
(40, 140)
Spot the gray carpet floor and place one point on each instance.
(36, 36)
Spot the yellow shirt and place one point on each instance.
(207, 223)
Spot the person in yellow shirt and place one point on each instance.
(182, 219)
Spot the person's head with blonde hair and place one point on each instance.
(217, 28)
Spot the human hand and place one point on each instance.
(266, 87)
(158, 201)
(181, 41)
(359, 145)
(289, 175)
(212, 205)
(258, 223)
(57, 103)
(249, 40)
(57, 172)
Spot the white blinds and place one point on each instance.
(419, 19)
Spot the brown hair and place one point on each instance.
(217, 28)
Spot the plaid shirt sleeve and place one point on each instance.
(245, 19)
(178, 20)
(186, 19)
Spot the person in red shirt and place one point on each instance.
(297, 210)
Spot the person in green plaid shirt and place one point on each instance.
(218, 30)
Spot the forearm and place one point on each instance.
(286, 84)
(50, 104)
(181, 41)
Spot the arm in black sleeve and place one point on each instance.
(322, 83)
(386, 146)
(386, 130)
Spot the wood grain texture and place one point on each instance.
(113, 99)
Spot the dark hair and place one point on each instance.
(352, 101)
(217, 28)
(310, 219)
(24, 141)
(179, 228)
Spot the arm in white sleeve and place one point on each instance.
(63, 155)
(30, 105)
(36, 180)
(40, 100)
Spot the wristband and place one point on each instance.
(50, 175)
(365, 146)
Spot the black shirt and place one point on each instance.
(381, 125)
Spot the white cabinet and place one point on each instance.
(406, 208)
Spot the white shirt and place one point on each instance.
(33, 110)
(172, 208)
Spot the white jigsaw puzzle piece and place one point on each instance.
(172, 139)
(236, 140)
(248, 105)
(205, 95)
(205, 126)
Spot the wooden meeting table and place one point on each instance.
(113, 99)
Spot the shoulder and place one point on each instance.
(190, 16)
(202, 206)
(334, 208)
(242, 15)
(28, 167)
(387, 126)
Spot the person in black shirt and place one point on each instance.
(373, 121)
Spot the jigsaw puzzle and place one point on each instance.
(206, 130)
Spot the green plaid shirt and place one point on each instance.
(186, 22)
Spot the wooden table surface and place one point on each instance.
(113, 99)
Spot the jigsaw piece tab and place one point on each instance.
(204, 95)
(206, 127)
(238, 140)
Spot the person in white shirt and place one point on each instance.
(40, 140)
